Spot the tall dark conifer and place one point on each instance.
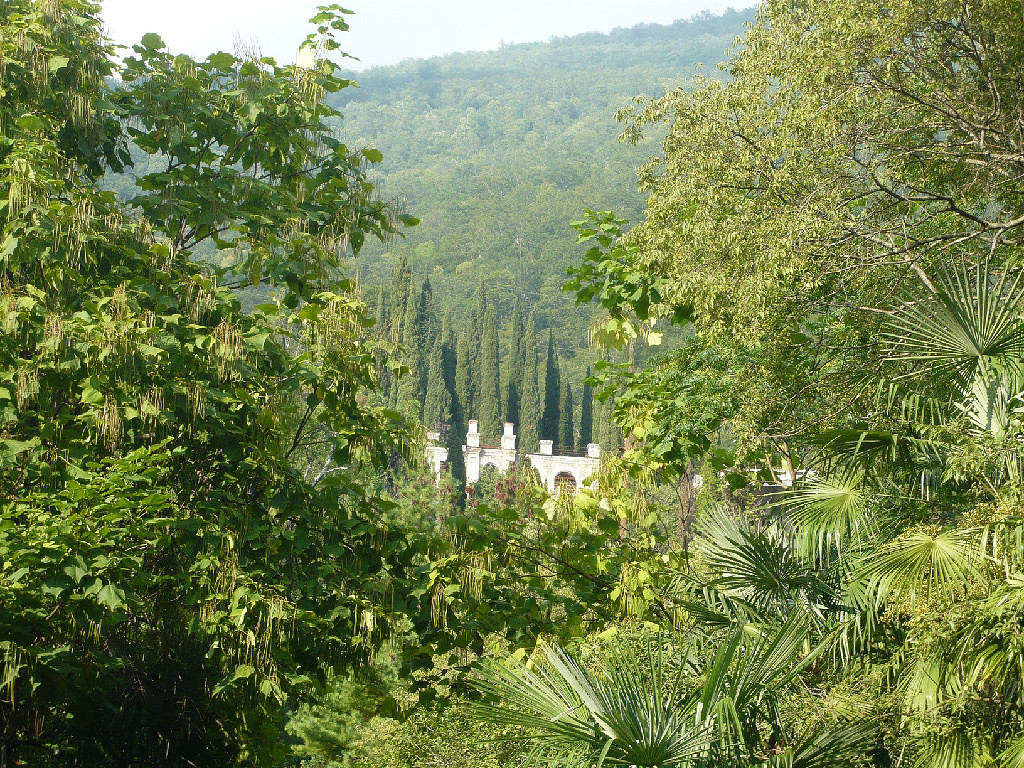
(449, 344)
(514, 369)
(398, 298)
(437, 407)
(530, 403)
(552, 393)
(456, 461)
(566, 427)
(430, 321)
(465, 383)
(587, 412)
(412, 385)
(611, 436)
(489, 402)
(380, 331)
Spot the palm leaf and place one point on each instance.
(1003, 543)
(951, 749)
(710, 606)
(970, 323)
(943, 565)
(826, 512)
(759, 568)
(1013, 755)
(615, 714)
(830, 748)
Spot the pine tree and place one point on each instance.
(587, 412)
(552, 394)
(529, 406)
(566, 433)
(514, 386)
(437, 407)
(489, 402)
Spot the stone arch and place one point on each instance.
(566, 480)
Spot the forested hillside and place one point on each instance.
(225, 542)
(497, 152)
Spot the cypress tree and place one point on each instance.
(411, 387)
(430, 323)
(489, 402)
(456, 461)
(380, 331)
(398, 297)
(456, 428)
(587, 412)
(465, 389)
(437, 407)
(552, 393)
(514, 386)
(474, 348)
(380, 316)
(449, 343)
(479, 310)
(566, 433)
(529, 406)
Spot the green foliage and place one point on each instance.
(516, 361)
(437, 407)
(678, 707)
(328, 731)
(489, 405)
(530, 405)
(789, 209)
(587, 412)
(566, 424)
(551, 401)
(496, 151)
(174, 574)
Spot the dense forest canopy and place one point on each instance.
(220, 543)
(497, 152)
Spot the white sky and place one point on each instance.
(385, 31)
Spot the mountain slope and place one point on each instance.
(498, 151)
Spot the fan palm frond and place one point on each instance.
(831, 748)
(970, 324)
(987, 651)
(710, 606)
(739, 693)
(857, 630)
(615, 714)
(759, 568)
(986, 402)
(621, 712)
(1013, 755)
(950, 749)
(1003, 543)
(925, 682)
(941, 565)
(826, 512)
